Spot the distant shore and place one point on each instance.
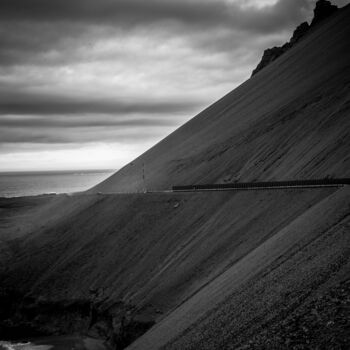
(56, 343)
(21, 184)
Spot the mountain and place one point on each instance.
(322, 11)
(257, 269)
(289, 121)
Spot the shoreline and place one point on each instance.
(56, 343)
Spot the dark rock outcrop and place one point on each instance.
(269, 56)
(23, 317)
(298, 33)
(322, 10)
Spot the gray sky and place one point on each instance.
(94, 83)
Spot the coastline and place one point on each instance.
(56, 343)
(45, 184)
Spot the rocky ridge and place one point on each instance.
(322, 11)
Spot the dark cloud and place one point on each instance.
(33, 29)
(34, 26)
(84, 121)
(18, 103)
(26, 41)
(140, 12)
(87, 134)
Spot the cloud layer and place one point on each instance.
(123, 74)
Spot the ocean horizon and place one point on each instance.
(33, 183)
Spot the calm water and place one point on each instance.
(64, 342)
(31, 184)
(4, 345)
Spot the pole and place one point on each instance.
(143, 178)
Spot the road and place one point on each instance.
(239, 186)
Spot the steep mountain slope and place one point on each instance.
(266, 288)
(257, 269)
(113, 265)
(289, 121)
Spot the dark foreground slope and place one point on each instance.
(289, 121)
(210, 270)
(256, 302)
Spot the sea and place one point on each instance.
(56, 343)
(18, 184)
(5, 345)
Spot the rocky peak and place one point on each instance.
(322, 10)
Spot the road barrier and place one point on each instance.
(264, 185)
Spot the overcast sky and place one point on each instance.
(88, 84)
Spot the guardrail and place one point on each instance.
(264, 185)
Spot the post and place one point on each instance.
(144, 178)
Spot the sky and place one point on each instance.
(91, 84)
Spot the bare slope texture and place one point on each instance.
(271, 286)
(289, 121)
(210, 270)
